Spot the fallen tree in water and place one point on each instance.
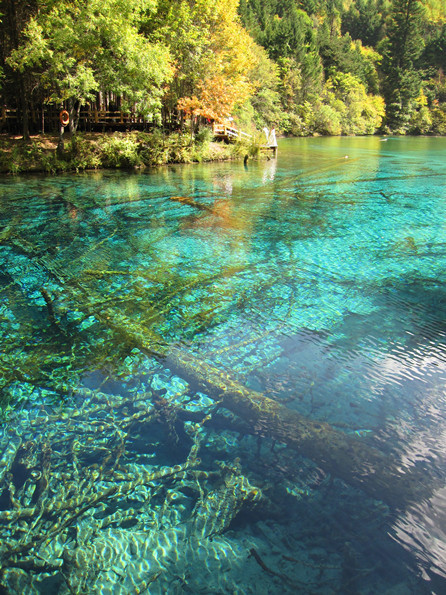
(344, 456)
(187, 200)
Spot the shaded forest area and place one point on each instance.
(304, 67)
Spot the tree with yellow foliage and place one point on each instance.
(213, 56)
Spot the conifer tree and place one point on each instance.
(401, 49)
(363, 21)
(14, 15)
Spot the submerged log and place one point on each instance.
(187, 200)
(344, 456)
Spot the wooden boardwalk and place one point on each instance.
(93, 119)
(231, 134)
(228, 133)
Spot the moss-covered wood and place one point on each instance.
(342, 455)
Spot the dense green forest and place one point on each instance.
(353, 66)
(304, 67)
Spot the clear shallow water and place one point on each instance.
(316, 280)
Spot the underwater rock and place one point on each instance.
(219, 508)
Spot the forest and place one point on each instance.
(304, 67)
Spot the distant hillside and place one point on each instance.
(337, 58)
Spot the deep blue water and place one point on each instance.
(316, 279)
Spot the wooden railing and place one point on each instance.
(228, 132)
(110, 117)
(90, 116)
(8, 114)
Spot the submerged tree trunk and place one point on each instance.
(344, 456)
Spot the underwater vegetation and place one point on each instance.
(150, 442)
(97, 487)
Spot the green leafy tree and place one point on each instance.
(359, 113)
(265, 101)
(80, 47)
(212, 53)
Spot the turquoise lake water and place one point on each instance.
(157, 330)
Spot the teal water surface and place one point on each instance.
(147, 320)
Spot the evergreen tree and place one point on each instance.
(363, 21)
(401, 49)
(434, 54)
(17, 83)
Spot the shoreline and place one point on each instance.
(132, 151)
(94, 151)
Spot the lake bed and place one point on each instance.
(158, 328)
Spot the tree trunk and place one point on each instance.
(77, 117)
(347, 457)
(60, 144)
(71, 113)
(24, 106)
(25, 114)
(344, 456)
(74, 110)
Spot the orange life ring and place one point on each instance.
(64, 117)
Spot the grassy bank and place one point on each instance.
(113, 150)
